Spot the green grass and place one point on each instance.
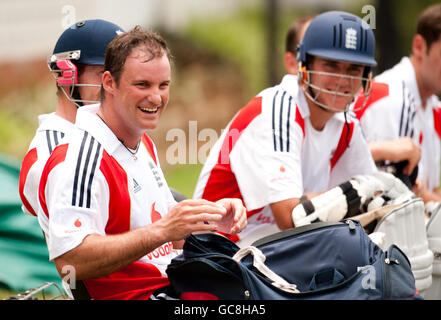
(4, 294)
(18, 117)
(48, 294)
(183, 178)
(242, 39)
(239, 38)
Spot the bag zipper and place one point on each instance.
(388, 261)
(293, 232)
(351, 224)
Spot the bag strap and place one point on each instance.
(259, 264)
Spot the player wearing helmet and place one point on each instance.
(402, 119)
(77, 64)
(294, 141)
(77, 60)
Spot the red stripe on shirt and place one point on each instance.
(138, 280)
(148, 143)
(222, 182)
(379, 91)
(119, 197)
(30, 158)
(299, 120)
(57, 157)
(345, 139)
(437, 120)
(135, 282)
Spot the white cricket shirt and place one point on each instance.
(395, 110)
(93, 185)
(270, 152)
(51, 130)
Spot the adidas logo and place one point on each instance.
(136, 186)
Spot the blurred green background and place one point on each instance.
(221, 60)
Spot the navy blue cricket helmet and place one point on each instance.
(91, 37)
(341, 36)
(83, 43)
(338, 36)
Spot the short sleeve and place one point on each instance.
(356, 160)
(71, 215)
(265, 172)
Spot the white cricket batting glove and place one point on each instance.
(338, 203)
(328, 206)
(376, 203)
(393, 188)
(393, 191)
(367, 186)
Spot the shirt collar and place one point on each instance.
(52, 121)
(88, 120)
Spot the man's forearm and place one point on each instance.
(381, 151)
(428, 195)
(282, 210)
(101, 255)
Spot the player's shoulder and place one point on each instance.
(73, 148)
(391, 83)
(253, 111)
(280, 99)
(286, 90)
(384, 94)
(75, 160)
(53, 123)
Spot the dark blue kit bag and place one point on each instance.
(324, 260)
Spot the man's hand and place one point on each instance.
(235, 219)
(100, 255)
(418, 188)
(393, 187)
(427, 195)
(397, 150)
(190, 216)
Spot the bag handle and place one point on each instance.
(259, 264)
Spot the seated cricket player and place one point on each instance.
(402, 118)
(77, 64)
(113, 221)
(296, 140)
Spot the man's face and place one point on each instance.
(338, 78)
(143, 90)
(431, 67)
(290, 58)
(90, 75)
